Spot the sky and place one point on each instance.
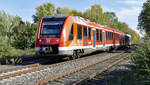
(126, 10)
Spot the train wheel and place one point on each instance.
(74, 56)
(79, 53)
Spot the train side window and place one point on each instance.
(97, 38)
(89, 33)
(106, 35)
(116, 36)
(100, 35)
(79, 28)
(110, 35)
(71, 33)
(85, 33)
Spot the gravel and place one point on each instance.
(31, 78)
(112, 76)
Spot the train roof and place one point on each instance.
(87, 22)
(82, 21)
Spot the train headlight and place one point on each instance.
(40, 40)
(57, 40)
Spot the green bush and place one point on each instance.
(141, 60)
(25, 36)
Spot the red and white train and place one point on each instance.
(72, 35)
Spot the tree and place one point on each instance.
(94, 14)
(43, 10)
(67, 11)
(144, 17)
(76, 13)
(59, 10)
(7, 25)
(112, 16)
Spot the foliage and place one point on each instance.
(94, 14)
(67, 11)
(144, 17)
(141, 57)
(15, 34)
(7, 25)
(43, 10)
(25, 36)
(5, 47)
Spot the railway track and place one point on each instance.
(99, 71)
(47, 73)
(79, 75)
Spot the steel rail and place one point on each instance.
(18, 68)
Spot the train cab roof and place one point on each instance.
(56, 16)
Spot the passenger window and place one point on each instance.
(109, 35)
(116, 36)
(106, 35)
(71, 33)
(79, 27)
(85, 33)
(97, 34)
(100, 35)
(112, 35)
(89, 33)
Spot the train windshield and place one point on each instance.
(52, 27)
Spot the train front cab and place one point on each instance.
(49, 35)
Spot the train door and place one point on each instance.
(103, 38)
(94, 40)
